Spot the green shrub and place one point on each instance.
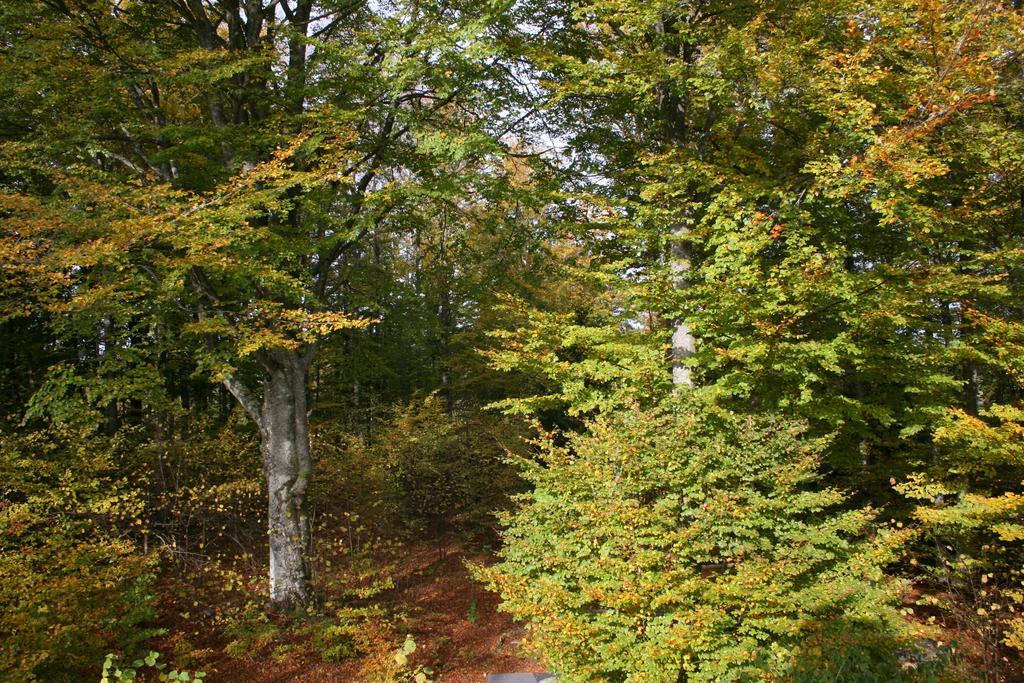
(694, 544)
(67, 602)
(424, 467)
(74, 586)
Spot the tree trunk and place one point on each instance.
(283, 420)
(684, 344)
(675, 121)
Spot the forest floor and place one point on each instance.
(422, 589)
(373, 599)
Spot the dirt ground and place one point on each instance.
(459, 633)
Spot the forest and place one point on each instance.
(396, 341)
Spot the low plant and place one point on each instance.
(251, 632)
(114, 673)
(405, 670)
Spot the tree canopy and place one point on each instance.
(703, 317)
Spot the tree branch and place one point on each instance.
(245, 399)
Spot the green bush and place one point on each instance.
(74, 587)
(424, 467)
(693, 544)
(67, 602)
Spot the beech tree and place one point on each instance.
(689, 543)
(828, 197)
(204, 179)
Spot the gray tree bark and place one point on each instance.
(675, 115)
(684, 344)
(283, 420)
